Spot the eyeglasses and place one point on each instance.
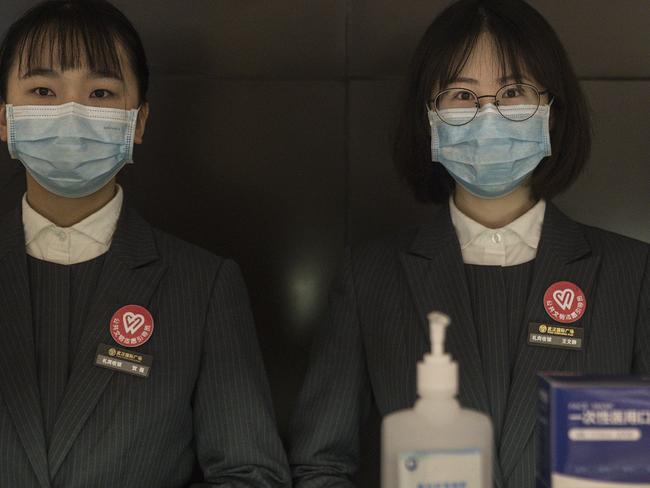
(526, 97)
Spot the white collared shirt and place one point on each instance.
(83, 241)
(516, 243)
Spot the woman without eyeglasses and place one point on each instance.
(129, 357)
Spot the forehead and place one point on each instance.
(485, 60)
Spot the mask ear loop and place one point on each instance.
(428, 112)
(547, 106)
(132, 117)
(435, 112)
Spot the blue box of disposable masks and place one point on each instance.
(593, 431)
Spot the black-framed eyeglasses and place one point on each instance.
(524, 96)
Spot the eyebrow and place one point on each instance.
(462, 79)
(47, 73)
(51, 73)
(105, 73)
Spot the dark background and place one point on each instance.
(270, 136)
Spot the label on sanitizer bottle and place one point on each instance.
(440, 468)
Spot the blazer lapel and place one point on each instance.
(130, 275)
(563, 255)
(436, 276)
(18, 380)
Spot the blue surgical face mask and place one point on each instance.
(71, 150)
(491, 155)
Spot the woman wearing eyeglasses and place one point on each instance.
(494, 126)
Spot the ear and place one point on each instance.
(141, 123)
(3, 122)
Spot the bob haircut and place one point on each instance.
(72, 34)
(526, 44)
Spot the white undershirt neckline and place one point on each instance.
(513, 244)
(81, 242)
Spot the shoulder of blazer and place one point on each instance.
(607, 242)
(613, 249)
(618, 255)
(381, 253)
(138, 244)
(422, 240)
(176, 254)
(176, 251)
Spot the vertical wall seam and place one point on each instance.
(346, 126)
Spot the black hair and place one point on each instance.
(525, 43)
(73, 33)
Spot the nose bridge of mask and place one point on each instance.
(489, 107)
(111, 117)
(491, 125)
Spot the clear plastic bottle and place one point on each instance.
(437, 444)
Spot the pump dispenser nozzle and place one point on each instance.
(438, 323)
(437, 373)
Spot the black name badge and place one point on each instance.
(124, 361)
(548, 335)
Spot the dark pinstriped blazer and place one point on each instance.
(203, 417)
(377, 330)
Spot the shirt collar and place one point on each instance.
(528, 227)
(98, 226)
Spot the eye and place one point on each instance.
(463, 95)
(511, 93)
(101, 93)
(41, 91)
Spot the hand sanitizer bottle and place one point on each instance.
(437, 444)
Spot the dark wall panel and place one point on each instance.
(603, 38)
(245, 171)
(254, 38)
(380, 202)
(383, 34)
(614, 191)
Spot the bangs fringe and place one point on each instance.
(71, 40)
(507, 48)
